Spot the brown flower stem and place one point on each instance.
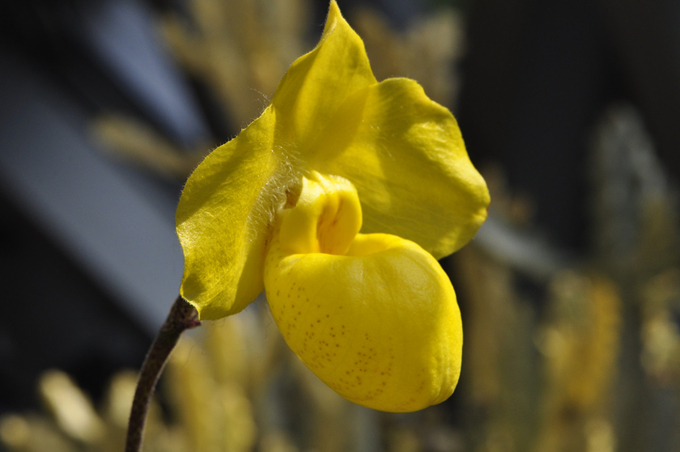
(182, 317)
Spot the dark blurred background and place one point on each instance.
(569, 108)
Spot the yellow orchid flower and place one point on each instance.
(281, 206)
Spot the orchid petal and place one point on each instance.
(406, 157)
(223, 221)
(317, 84)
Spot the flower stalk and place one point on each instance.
(182, 317)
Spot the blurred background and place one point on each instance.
(570, 293)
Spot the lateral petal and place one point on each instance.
(405, 155)
(223, 221)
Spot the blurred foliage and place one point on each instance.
(239, 49)
(425, 51)
(589, 359)
(234, 386)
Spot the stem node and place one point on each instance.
(182, 317)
